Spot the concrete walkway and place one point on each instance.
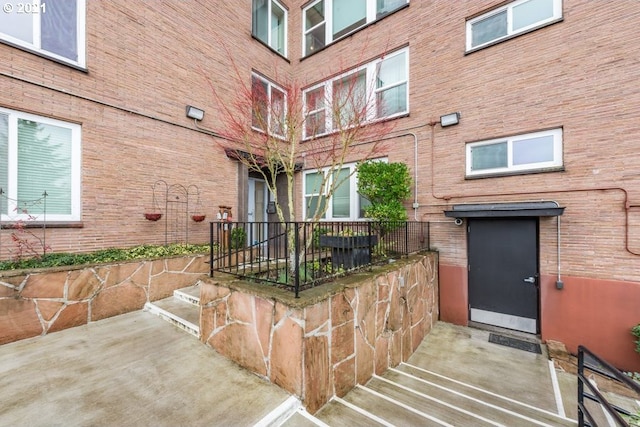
(138, 370)
(130, 370)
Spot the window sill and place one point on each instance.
(372, 122)
(515, 173)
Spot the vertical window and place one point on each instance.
(520, 153)
(39, 155)
(509, 20)
(345, 202)
(54, 28)
(328, 20)
(269, 106)
(374, 91)
(270, 24)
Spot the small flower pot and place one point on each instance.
(198, 218)
(151, 216)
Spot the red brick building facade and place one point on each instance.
(546, 92)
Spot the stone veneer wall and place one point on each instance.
(331, 338)
(47, 300)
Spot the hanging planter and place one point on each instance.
(153, 216)
(154, 213)
(196, 214)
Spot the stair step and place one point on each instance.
(190, 294)
(182, 314)
(501, 409)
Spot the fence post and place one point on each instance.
(296, 268)
(211, 249)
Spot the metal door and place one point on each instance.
(503, 272)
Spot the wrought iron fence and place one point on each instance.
(300, 255)
(600, 407)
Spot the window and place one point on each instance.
(514, 18)
(374, 91)
(327, 20)
(346, 203)
(529, 152)
(54, 28)
(270, 24)
(39, 155)
(269, 106)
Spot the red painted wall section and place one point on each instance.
(454, 296)
(595, 313)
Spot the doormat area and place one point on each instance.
(515, 343)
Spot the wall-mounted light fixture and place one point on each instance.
(449, 119)
(195, 113)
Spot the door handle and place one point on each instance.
(530, 279)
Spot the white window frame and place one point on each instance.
(270, 86)
(371, 70)
(269, 40)
(555, 164)
(354, 196)
(371, 16)
(12, 168)
(39, 6)
(557, 15)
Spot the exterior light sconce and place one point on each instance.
(450, 119)
(195, 113)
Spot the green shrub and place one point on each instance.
(635, 331)
(238, 238)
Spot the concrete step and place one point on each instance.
(190, 294)
(460, 397)
(184, 315)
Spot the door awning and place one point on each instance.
(483, 210)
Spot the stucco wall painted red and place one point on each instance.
(595, 313)
(454, 297)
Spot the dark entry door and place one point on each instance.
(503, 272)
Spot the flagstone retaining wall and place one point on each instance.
(37, 302)
(331, 338)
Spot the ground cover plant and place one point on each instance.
(104, 256)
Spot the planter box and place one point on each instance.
(349, 251)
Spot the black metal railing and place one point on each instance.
(603, 408)
(300, 255)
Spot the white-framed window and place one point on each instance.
(53, 28)
(269, 106)
(513, 18)
(270, 24)
(379, 89)
(346, 204)
(325, 21)
(520, 153)
(39, 155)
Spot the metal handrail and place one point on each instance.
(610, 372)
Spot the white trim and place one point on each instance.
(508, 8)
(503, 320)
(371, 69)
(12, 157)
(269, 42)
(555, 163)
(371, 15)
(36, 46)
